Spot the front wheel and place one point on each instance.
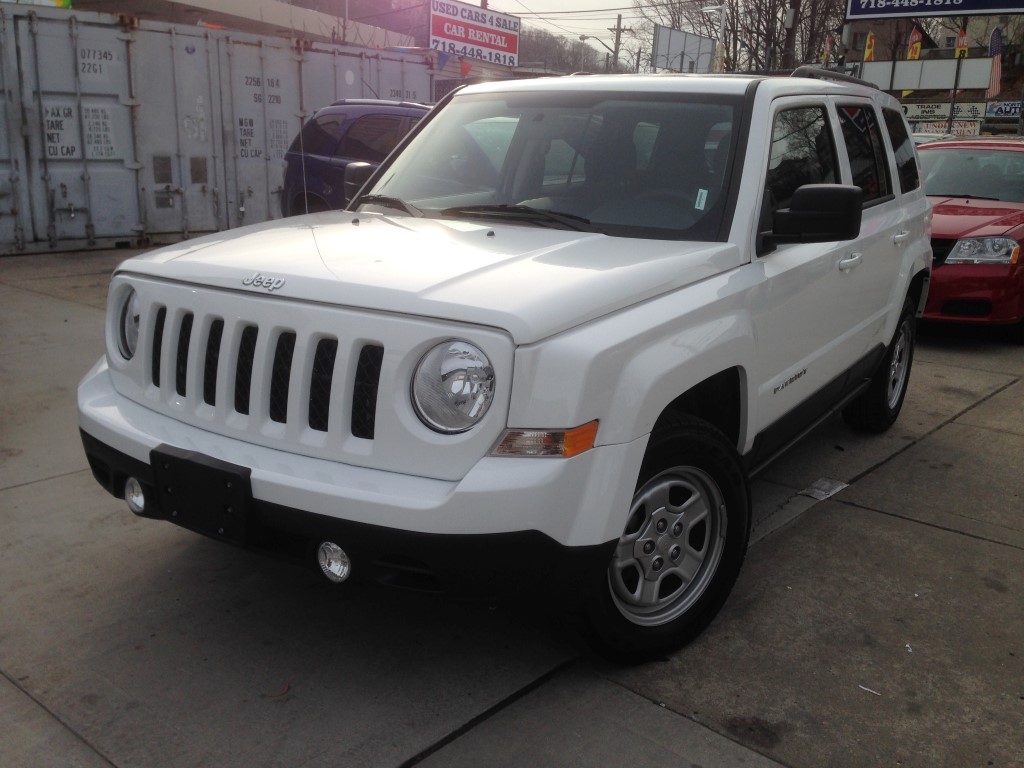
(683, 544)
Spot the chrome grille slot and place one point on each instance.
(158, 344)
(364, 394)
(280, 376)
(210, 364)
(320, 384)
(181, 361)
(243, 368)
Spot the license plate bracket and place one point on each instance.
(201, 493)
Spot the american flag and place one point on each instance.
(995, 50)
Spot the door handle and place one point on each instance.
(899, 237)
(845, 265)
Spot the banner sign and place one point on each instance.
(959, 128)
(890, 9)
(1003, 109)
(458, 29)
(967, 110)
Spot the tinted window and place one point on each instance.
(864, 145)
(371, 138)
(903, 148)
(802, 153)
(320, 135)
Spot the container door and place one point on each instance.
(179, 142)
(12, 237)
(262, 86)
(76, 95)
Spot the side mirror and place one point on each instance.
(818, 213)
(356, 175)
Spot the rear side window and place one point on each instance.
(803, 152)
(371, 138)
(868, 162)
(903, 149)
(320, 135)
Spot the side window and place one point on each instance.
(802, 152)
(320, 135)
(371, 138)
(903, 148)
(863, 139)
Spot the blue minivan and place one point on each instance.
(350, 130)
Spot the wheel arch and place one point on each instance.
(719, 400)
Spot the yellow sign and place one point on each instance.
(869, 47)
(914, 49)
(961, 44)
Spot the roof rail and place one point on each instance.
(820, 73)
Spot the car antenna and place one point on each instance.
(302, 152)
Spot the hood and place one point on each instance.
(530, 281)
(957, 217)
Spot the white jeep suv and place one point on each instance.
(546, 346)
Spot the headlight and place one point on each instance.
(128, 325)
(984, 250)
(453, 387)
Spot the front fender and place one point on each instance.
(626, 368)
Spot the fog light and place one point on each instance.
(333, 562)
(135, 496)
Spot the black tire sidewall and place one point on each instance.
(871, 411)
(686, 442)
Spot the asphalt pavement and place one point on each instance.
(878, 621)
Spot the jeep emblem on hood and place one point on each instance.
(263, 281)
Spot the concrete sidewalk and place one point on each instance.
(882, 626)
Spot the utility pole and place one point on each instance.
(618, 30)
(789, 47)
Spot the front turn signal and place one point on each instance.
(561, 443)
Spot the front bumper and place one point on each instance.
(988, 294)
(480, 564)
(514, 522)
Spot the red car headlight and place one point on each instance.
(984, 250)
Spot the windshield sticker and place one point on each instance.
(702, 199)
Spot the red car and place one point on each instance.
(977, 189)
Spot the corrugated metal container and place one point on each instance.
(120, 133)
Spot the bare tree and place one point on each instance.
(756, 35)
(540, 48)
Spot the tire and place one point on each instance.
(879, 405)
(684, 541)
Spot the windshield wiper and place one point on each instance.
(523, 213)
(391, 202)
(973, 197)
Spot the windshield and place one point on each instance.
(657, 166)
(971, 172)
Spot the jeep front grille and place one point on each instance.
(290, 358)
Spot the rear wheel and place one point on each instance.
(684, 541)
(877, 407)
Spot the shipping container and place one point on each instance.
(121, 132)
